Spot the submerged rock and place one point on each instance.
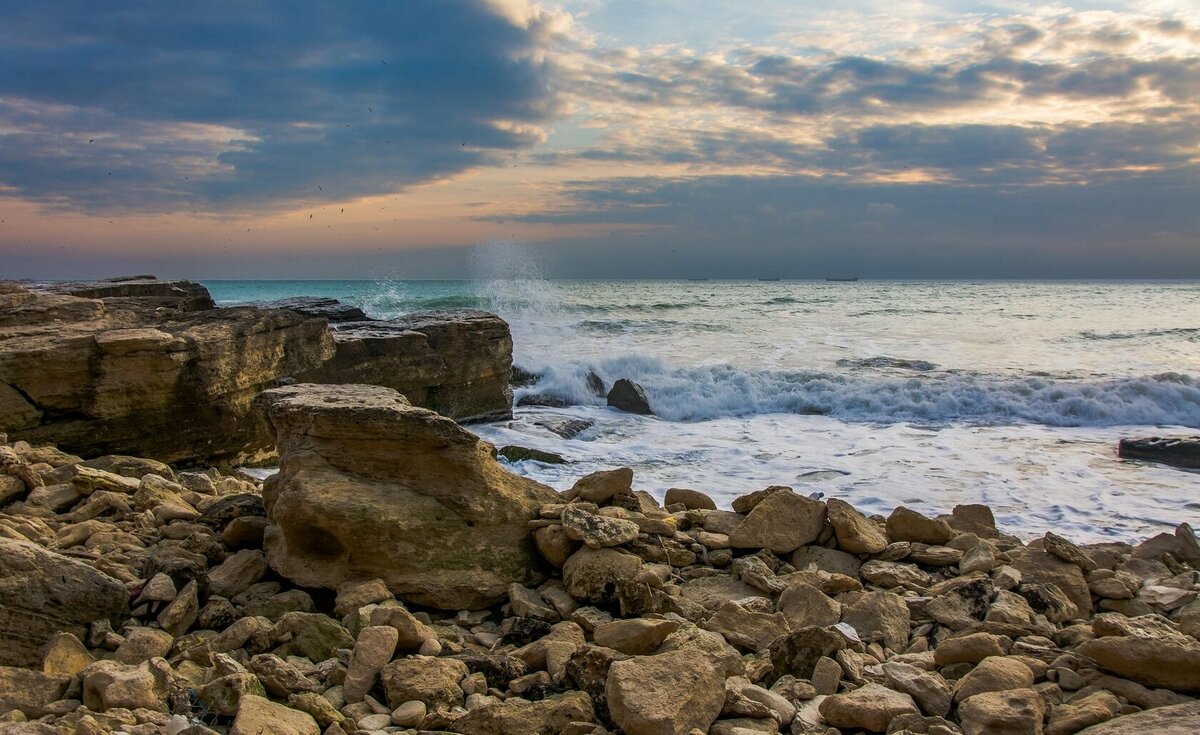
(370, 486)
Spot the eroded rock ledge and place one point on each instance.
(149, 367)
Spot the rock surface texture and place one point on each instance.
(370, 486)
(111, 367)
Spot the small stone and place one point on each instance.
(855, 534)
(409, 714)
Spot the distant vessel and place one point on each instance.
(768, 279)
(842, 279)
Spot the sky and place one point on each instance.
(600, 139)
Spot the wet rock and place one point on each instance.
(436, 517)
(628, 396)
(666, 694)
(513, 453)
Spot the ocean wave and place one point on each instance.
(888, 362)
(898, 311)
(717, 391)
(1191, 334)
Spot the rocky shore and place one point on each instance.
(394, 577)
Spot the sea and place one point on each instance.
(926, 394)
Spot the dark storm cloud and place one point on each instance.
(152, 105)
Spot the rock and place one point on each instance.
(1178, 451)
(127, 365)
(628, 396)
(65, 655)
(278, 677)
(804, 605)
(371, 487)
(894, 574)
(1044, 568)
(930, 691)
(550, 716)
(666, 694)
(433, 681)
(690, 499)
(1178, 719)
(354, 594)
(602, 486)
(143, 644)
(827, 560)
(43, 593)
(781, 522)
(108, 685)
(1147, 650)
(237, 573)
(908, 525)
(877, 616)
(314, 636)
(636, 637)
(870, 707)
(527, 603)
(1071, 717)
(30, 692)
(223, 695)
(798, 652)
(177, 617)
(746, 629)
(259, 716)
(513, 453)
(326, 308)
(971, 649)
(597, 531)
(855, 534)
(1067, 551)
(552, 543)
(592, 575)
(409, 714)
(564, 427)
(994, 674)
(372, 650)
(456, 362)
(1012, 712)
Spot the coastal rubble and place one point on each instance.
(147, 367)
(507, 608)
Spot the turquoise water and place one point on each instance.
(923, 393)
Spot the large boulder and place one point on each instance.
(1179, 719)
(43, 593)
(454, 362)
(370, 486)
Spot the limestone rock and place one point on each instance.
(804, 605)
(604, 485)
(1071, 717)
(636, 637)
(371, 487)
(550, 716)
(1178, 719)
(597, 531)
(30, 692)
(259, 716)
(994, 674)
(65, 655)
(433, 681)
(909, 525)
(1148, 651)
(877, 616)
(1012, 712)
(592, 574)
(372, 650)
(690, 499)
(870, 707)
(781, 522)
(928, 689)
(855, 533)
(666, 694)
(43, 593)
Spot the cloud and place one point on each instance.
(223, 105)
